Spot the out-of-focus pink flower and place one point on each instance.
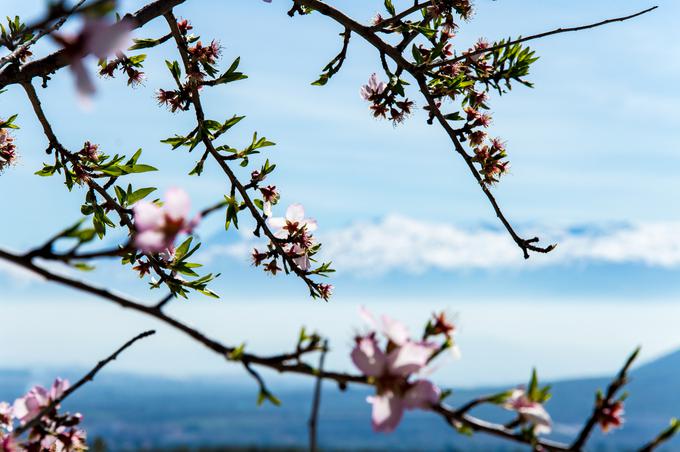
(58, 388)
(611, 416)
(388, 407)
(391, 369)
(293, 222)
(99, 37)
(373, 88)
(531, 411)
(27, 407)
(157, 227)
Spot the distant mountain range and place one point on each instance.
(134, 412)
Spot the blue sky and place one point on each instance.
(593, 152)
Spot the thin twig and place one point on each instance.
(662, 437)
(316, 402)
(397, 18)
(616, 384)
(88, 377)
(282, 363)
(542, 35)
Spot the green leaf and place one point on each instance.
(140, 194)
(389, 6)
(83, 267)
(144, 43)
(137, 168)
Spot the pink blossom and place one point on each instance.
(300, 257)
(391, 370)
(325, 290)
(531, 411)
(388, 407)
(58, 388)
(27, 407)
(293, 222)
(611, 416)
(374, 87)
(157, 227)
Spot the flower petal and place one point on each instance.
(103, 39)
(151, 241)
(423, 394)
(368, 357)
(147, 216)
(295, 212)
(387, 412)
(394, 330)
(309, 224)
(409, 358)
(177, 204)
(367, 317)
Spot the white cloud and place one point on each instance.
(399, 243)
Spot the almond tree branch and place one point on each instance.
(286, 363)
(395, 54)
(282, 363)
(233, 179)
(87, 378)
(542, 35)
(620, 380)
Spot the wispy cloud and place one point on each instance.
(399, 243)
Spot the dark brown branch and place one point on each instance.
(316, 402)
(478, 425)
(618, 382)
(280, 363)
(543, 35)
(525, 244)
(87, 378)
(57, 60)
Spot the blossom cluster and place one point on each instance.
(610, 415)
(384, 100)
(53, 432)
(201, 60)
(8, 155)
(392, 368)
(293, 233)
(465, 77)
